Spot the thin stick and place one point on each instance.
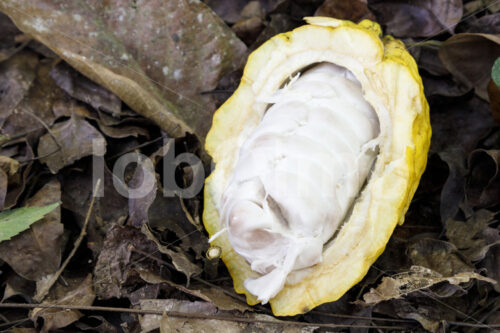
(189, 315)
(197, 279)
(335, 315)
(13, 323)
(42, 293)
(45, 126)
(147, 143)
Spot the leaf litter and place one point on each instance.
(145, 78)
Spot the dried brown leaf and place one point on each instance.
(488, 24)
(179, 259)
(16, 78)
(439, 256)
(118, 264)
(81, 88)
(469, 57)
(110, 209)
(467, 235)
(494, 96)
(352, 10)
(483, 188)
(417, 278)
(157, 56)
(78, 292)
(420, 18)
(8, 44)
(73, 140)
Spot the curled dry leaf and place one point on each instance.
(417, 278)
(453, 191)
(488, 24)
(352, 10)
(491, 259)
(16, 77)
(78, 291)
(494, 96)
(469, 237)
(34, 111)
(15, 285)
(157, 56)
(483, 188)
(144, 177)
(81, 88)
(118, 264)
(67, 142)
(22, 152)
(126, 127)
(9, 169)
(440, 256)
(36, 252)
(469, 57)
(180, 260)
(231, 11)
(420, 18)
(8, 44)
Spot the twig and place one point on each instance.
(44, 291)
(45, 126)
(217, 91)
(13, 323)
(335, 315)
(197, 279)
(40, 157)
(189, 315)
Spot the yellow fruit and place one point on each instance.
(392, 86)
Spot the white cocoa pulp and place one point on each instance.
(298, 173)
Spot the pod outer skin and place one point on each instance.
(391, 84)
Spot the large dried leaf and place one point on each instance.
(36, 252)
(469, 57)
(417, 18)
(73, 140)
(157, 56)
(417, 278)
